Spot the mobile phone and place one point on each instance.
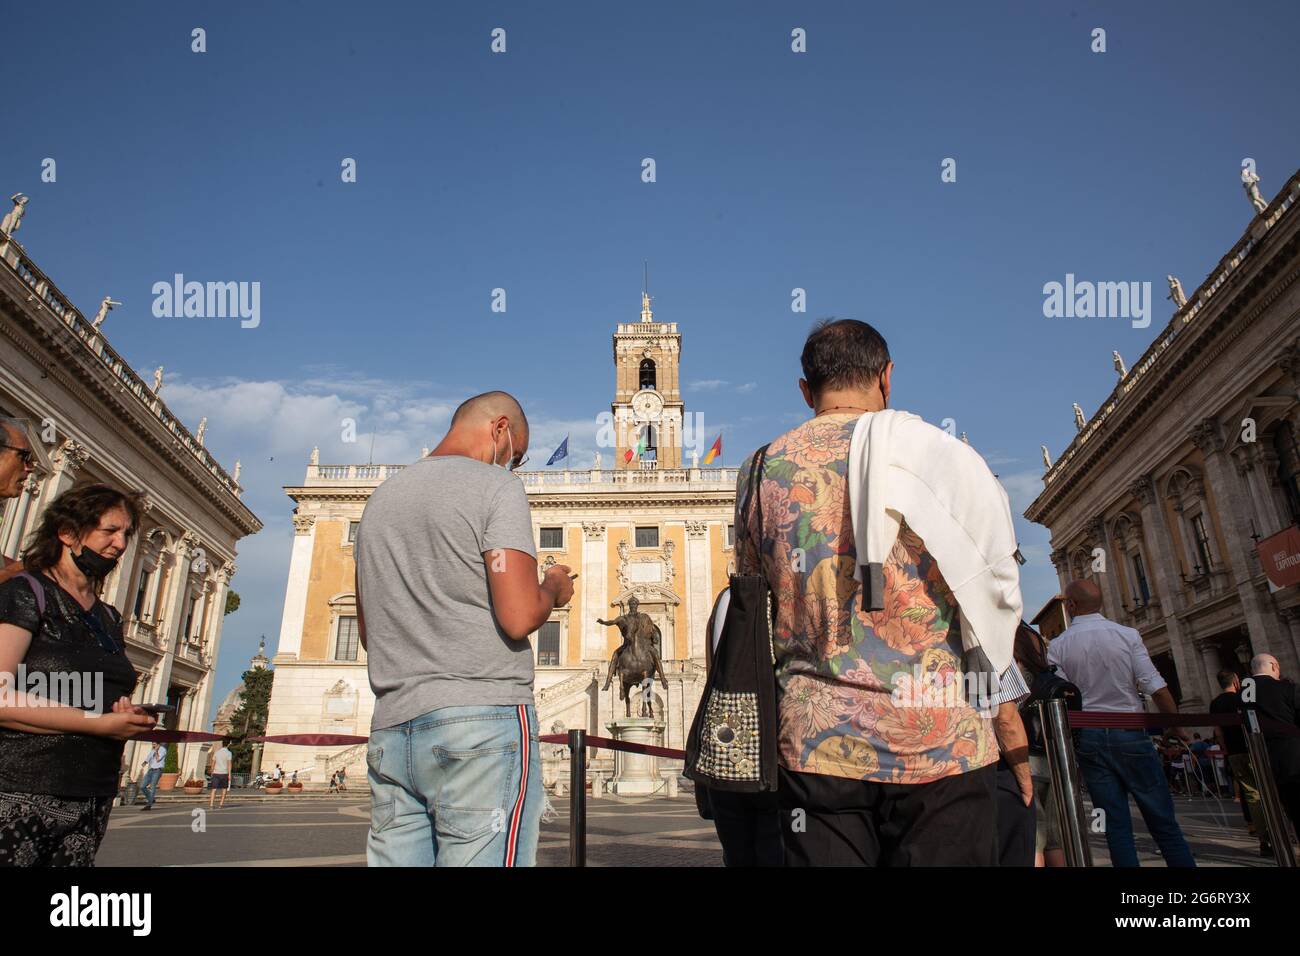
(157, 709)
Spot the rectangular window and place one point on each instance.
(1202, 542)
(345, 648)
(352, 531)
(1140, 579)
(548, 645)
(552, 539)
(647, 537)
(731, 536)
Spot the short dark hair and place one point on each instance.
(1226, 677)
(843, 353)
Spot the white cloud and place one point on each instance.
(747, 387)
(1022, 488)
(708, 384)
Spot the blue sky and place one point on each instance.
(522, 171)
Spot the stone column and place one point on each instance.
(124, 591)
(24, 512)
(170, 622)
(1266, 632)
(295, 596)
(594, 597)
(1114, 601)
(1211, 664)
(211, 644)
(1290, 616)
(1162, 562)
(698, 599)
(1163, 567)
(1249, 465)
(1061, 561)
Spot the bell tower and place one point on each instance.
(647, 406)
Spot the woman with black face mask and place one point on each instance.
(65, 683)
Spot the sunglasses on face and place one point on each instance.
(24, 454)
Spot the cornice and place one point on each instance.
(91, 388)
(1197, 351)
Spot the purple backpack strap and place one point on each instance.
(36, 589)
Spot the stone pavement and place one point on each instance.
(648, 831)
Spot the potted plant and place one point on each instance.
(275, 787)
(171, 769)
(193, 786)
(294, 788)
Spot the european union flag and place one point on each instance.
(561, 452)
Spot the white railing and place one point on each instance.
(352, 473)
(652, 478)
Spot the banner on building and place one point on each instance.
(1280, 556)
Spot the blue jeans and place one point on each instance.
(458, 786)
(150, 785)
(1115, 764)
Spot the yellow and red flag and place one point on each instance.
(715, 451)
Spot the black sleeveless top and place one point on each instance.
(79, 658)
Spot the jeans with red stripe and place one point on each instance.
(458, 786)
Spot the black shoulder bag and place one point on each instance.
(732, 743)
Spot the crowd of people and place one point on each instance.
(907, 573)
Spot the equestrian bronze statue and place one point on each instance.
(636, 658)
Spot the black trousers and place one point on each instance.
(836, 821)
(1016, 822)
(749, 827)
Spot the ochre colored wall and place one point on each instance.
(332, 572)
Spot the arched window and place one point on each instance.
(650, 439)
(647, 373)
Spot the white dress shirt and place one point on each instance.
(157, 758)
(1107, 661)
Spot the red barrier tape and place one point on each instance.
(604, 743)
(312, 740)
(1140, 721)
(176, 736)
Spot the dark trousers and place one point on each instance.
(749, 827)
(836, 821)
(1116, 763)
(1016, 822)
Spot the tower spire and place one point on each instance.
(646, 314)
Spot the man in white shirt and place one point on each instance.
(221, 761)
(153, 765)
(1110, 665)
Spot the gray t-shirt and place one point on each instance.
(431, 637)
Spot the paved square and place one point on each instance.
(651, 831)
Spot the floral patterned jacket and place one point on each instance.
(870, 696)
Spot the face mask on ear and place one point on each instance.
(93, 565)
(510, 457)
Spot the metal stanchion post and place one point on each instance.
(1264, 783)
(1065, 782)
(577, 798)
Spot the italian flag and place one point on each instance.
(715, 451)
(635, 452)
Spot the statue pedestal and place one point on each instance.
(636, 774)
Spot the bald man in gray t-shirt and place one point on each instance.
(432, 639)
(447, 596)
